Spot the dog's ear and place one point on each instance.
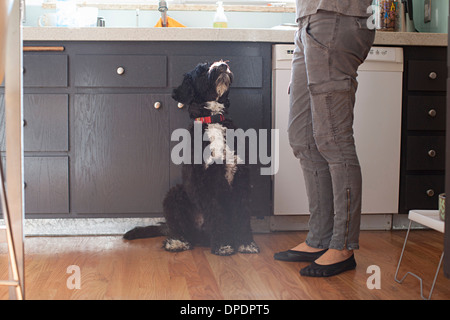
(185, 92)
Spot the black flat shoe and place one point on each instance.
(298, 256)
(319, 270)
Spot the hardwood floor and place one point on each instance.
(112, 268)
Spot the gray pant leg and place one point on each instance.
(333, 47)
(315, 167)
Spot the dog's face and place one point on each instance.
(207, 82)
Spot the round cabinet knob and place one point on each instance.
(120, 70)
(432, 113)
(157, 105)
(432, 153)
(180, 105)
(432, 75)
(430, 192)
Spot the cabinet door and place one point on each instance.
(45, 122)
(46, 185)
(427, 75)
(422, 191)
(425, 153)
(120, 144)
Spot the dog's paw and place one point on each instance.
(252, 247)
(175, 245)
(225, 250)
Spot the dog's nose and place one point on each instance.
(223, 67)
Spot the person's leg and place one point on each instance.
(315, 167)
(334, 46)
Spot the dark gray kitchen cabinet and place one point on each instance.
(120, 148)
(423, 128)
(99, 118)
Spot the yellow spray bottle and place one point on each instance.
(220, 20)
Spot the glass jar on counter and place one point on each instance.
(387, 13)
(65, 13)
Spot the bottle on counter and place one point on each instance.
(220, 19)
(66, 13)
(388, 15)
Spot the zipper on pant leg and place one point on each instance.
(348, 217)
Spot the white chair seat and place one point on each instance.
(428, 218)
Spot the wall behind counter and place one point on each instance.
(194, 19)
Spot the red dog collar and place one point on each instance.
(212, 119)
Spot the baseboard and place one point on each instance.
(118, 226)
(84, 227)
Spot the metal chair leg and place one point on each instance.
(401, 255)
(414, 275)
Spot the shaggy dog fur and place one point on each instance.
(210, 207)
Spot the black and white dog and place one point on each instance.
(210, 207)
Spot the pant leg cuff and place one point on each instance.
(316, 245)
(342, 246)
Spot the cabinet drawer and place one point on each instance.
(422, 192)
(426, 113)
(46, 184)
(248, 71)
(427, 75)
(425, 153)
(49, 70)
(46, 122)
(120, 71)
(44, 70)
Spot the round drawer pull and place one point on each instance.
(120, 70)
(430, 192)
(432, 113)
(432, 75)
(180, 105)
(157, 105)
(432, 153)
